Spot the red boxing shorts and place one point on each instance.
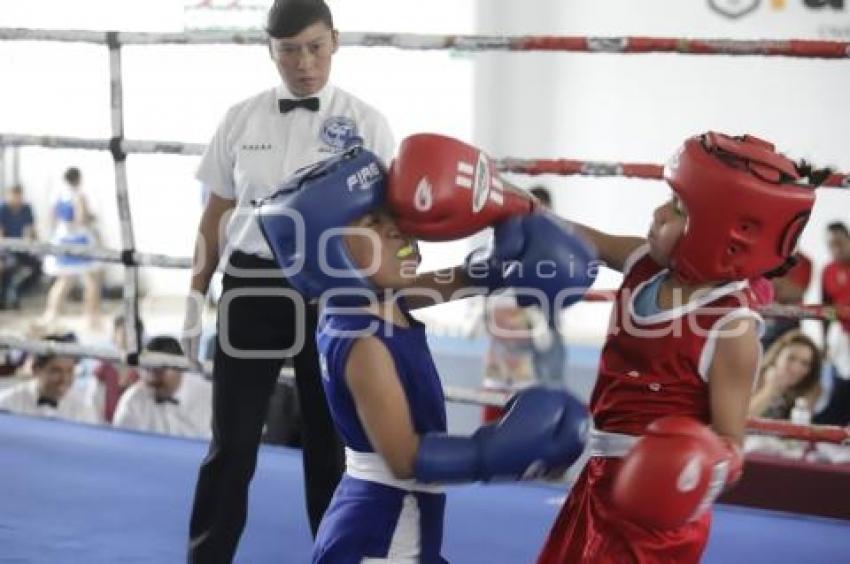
(589, 528)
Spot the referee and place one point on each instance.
(260, 142)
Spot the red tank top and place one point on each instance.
(658, 365)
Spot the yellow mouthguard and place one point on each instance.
(405, 251)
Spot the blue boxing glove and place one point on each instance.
(542, 430)
(543, 258)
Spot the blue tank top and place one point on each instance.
(409, 349)
(64, 209)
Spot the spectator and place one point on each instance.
(788, 289)
(17, 270)
(112, 379)
(509, 360)
(49, 392)
(524, 347)
(791, 370)
(835, 284)
(10, 361)
(167, 400)
(72, 221)
(550, 354)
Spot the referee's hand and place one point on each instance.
(190, 338)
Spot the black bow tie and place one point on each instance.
(168, 399)
(286, 105)
(44, 400)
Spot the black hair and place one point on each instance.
(72, 176)
(40, 359)
(164, 344)
(290, 17)
(542, 193)
(815, 176)
(838, 227)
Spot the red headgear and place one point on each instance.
(745, 207)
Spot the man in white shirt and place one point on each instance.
(167, 400)
(260, 143)
(49, 392)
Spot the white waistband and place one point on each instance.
(605, 444)
(372, 468)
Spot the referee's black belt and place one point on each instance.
(254, 271)
(246, 260)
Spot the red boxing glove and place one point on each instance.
(441, 189)
(674, 473)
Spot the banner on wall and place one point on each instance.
(224, 14)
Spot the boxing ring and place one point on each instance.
(76, 493)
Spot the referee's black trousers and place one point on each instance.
(258, 319)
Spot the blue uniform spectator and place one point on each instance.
(17, 270)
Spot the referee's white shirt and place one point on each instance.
(256, 148)
(23, 398)
(190, 416)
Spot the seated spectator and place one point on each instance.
(17, 270)
(49, 391)
(10, 361)
(112, 379)
(791, 370)
(167, 400)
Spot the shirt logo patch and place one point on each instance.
(256, 146)
(338, 132)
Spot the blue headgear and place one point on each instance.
(301, 222)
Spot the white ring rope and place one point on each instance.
(125, 145)
(133, 258)
(495, 398)
(530, 167)
(812, 433)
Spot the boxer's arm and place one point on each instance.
(731, 376)
(678, 468)
(381, 405)
(613, 250)
(541, 431)
(207, 245)
(788, 291)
